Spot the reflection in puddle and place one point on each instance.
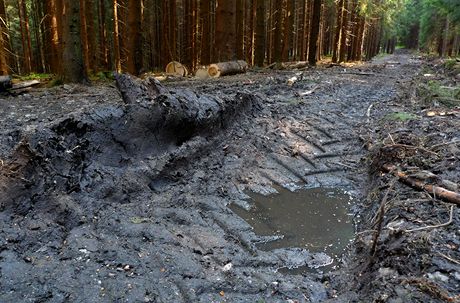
(315, 219)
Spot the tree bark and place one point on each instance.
(314, 31)
(288, 26)
(225, 30)
(205, 13)
(343, 36)
(84, 35)
(239, 31)
(116, 41)
(4, 41)
(91, 40)
(134, 46)
(278, 30)
(25, 34)
(54, 24)
(103, 50)
(73, 69)
(259, 53)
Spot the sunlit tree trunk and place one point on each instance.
(134, 46)
(4, 41)
(103, 56)
(84, 35)
(116, 34)
(344, 30)
(25, 34)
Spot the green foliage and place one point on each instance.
(101, 76)
(34, 76)
(55, 82)
(433, 92)
(400, 116)
(429, 19)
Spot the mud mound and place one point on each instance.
(86, 152)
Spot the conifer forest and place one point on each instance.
(230, 151)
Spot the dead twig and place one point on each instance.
(449, 258)
(444, 144)
(381, 214)
(410, 147)
(433, 289)
(434, 226)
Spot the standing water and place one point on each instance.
(316, 219)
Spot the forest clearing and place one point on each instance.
(246, 151)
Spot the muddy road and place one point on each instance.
(103, 201)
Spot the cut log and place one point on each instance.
(202, 73)
(176, 69)
(294, 65)
(438, 192)
(5, 83)
(25, 84)
(220, 69)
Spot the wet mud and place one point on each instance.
(123, 197)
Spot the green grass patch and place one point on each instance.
(400, 116)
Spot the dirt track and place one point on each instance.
(106, 202)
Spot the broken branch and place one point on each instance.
(442, 193)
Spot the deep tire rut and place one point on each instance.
(145, 198)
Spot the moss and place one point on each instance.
(400, 116)
(433, 91)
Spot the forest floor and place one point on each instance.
(102, 201)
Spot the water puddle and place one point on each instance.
(316, 219)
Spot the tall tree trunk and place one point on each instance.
(344, 31)
(73, 69)
(314, 31)
(225, 30)
(91, 30)
(259, 54)
(25, 34)
(116, 36)
(205, 15)
(239, 31)
(103, 56)
(134, 46)
(278, 30)
(288, 25)
(84, 35)
(4, 41)
(53, 9)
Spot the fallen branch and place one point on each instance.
(439, 192)
(381, 214)
(451, 217)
